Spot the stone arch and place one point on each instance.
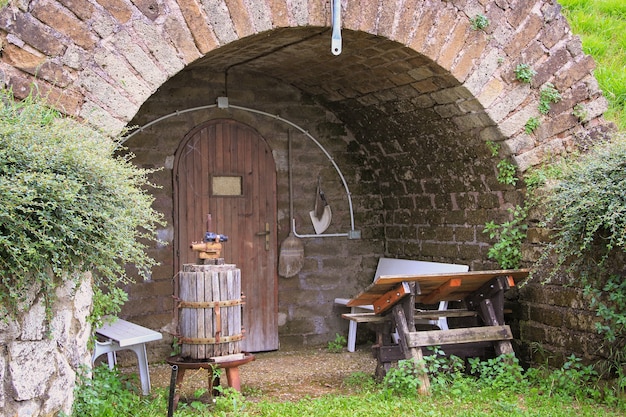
(102, 60)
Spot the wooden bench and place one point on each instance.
(392, 266)
(394, 298)
(123, 335)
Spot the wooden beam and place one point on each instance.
(391, 298)
(442, 291)
(454, 336)
(419, 314)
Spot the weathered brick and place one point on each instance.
(50, 13)
(31, 31)
(524, 35)
(422, 28)
(574, 72)
(82, 9)
(197, 22)
(240, 16)
(118, 8)
(473, 49)
(279, 13)
(456, 41)
(311, 12)
(551, 66)
(150, 8)
(446, 19)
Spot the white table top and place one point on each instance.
(127, 334)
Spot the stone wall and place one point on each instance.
(39, 359)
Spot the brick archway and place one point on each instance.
(102, 60)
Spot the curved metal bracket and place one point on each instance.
(222, 103)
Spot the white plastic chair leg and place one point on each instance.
(352, 332)
(442, 323)
(142, 362)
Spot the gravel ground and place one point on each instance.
(285, 375)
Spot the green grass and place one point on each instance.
(601, 24)
(498, 387)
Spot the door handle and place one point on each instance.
(266, 233)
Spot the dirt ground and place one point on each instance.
(284, 375)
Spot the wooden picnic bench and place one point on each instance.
(394, 298)
(123, 335)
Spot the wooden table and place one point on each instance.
(394, 298)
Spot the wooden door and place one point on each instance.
(226, 169)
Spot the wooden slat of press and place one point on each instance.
(224, 310)
(201, 332)
(215, 277)
(455, 336)
(208, 312)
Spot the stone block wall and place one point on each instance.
(39, 360)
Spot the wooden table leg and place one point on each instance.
(410, 353)
(489, 302)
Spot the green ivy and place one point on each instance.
(337, 345)
(507, 251)
(67, 205)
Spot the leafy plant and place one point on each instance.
(524, 73)
(548, 95)
(507, 251)
(586, 207)
(479, 22)
(404, 379)
(506, 172)
(337, 345)
(443, 371)
(493, 147)
(610, 305)
(531, 125)
(106, 394)
(580, 112)
(67, 205)
(503, 371)
(572, 380)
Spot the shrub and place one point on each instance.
(585, 206)
(67, 205)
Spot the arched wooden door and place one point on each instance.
(226, 169)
